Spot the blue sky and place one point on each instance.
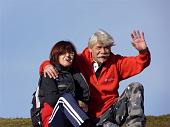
(28, 30)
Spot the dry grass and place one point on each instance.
(158, 121)
(15, 122)
(152, 121)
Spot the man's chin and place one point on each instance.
(101, 61)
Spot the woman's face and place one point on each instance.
(66, 59)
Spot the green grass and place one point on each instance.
(152, 121)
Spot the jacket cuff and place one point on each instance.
(144, 51)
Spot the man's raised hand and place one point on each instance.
(138, 40)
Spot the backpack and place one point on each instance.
(36, 108)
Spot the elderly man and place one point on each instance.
(103, 70)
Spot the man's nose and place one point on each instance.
(103, 50)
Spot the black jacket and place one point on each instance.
(69, 81)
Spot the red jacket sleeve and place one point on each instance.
(46, 112)
(42, 66)
(130, 66)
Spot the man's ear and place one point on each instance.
(90, 49)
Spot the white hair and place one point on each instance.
(101, 37)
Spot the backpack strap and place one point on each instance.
(36, 108)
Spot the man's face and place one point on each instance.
(100, 53)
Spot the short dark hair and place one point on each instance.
(59, 48)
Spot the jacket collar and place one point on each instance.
(62, 69)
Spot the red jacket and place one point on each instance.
(104, 91)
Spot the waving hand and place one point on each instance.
(138, 40)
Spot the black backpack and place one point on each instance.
(36, 108)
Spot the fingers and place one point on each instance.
(143, 37)
(83, 106)
(45, 74)
(138, 40)
(140, 35)
(50, 71)
(137, 35)
(134, 35)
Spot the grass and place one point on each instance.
(158, 121)
(152, 121)
(15, 122)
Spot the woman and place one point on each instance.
(64, 98)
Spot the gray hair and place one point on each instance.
(101, 37)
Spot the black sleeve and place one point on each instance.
(49, 90)
(81, 87)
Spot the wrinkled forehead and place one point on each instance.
(102, 44)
